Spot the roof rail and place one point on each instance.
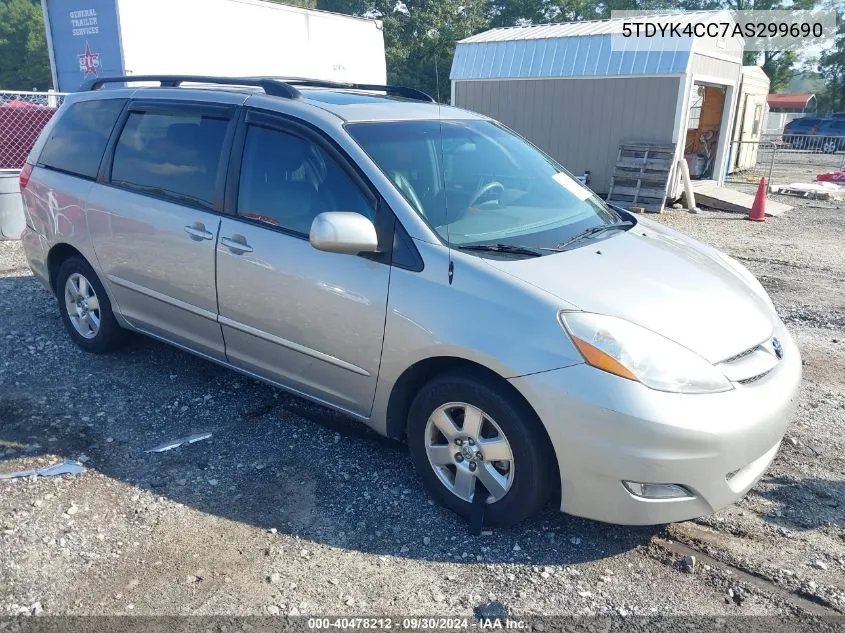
(399, 91)
(275, 86)
(271, 87)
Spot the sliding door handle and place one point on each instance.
(197, 232)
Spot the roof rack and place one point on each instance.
(399, 91)
(271, 86)
(276, 86)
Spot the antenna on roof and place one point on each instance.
(437, 76)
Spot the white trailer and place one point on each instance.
(109, 38)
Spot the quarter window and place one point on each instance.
(287, 180)
(78, 140)
(171, 155)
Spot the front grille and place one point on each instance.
(746, 381)
(741, 355)
(751, 364)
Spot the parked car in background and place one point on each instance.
(796, 130)
(426, 271)
(828, 136)
(20, 124)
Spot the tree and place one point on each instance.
(24, 63)
(832, 69)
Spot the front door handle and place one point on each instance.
(237, 244)
(197, 232)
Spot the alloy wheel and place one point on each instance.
(465, 446)
(82, 305)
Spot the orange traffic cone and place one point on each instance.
(758, 209)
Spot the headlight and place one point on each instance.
(754, 285)
(633, 352)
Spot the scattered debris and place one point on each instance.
(67, 467)
(490, 611)
(688, 564)
(735, 595)
(833, 176)
(812, 190)
(820, 565)
(169, 446)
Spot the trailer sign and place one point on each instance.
(84, 41)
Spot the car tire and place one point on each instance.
(520, 487)
(85, 308)
(830, 147)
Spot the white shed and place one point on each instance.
(574, 93)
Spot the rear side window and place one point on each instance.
(171, 155)
(78, 140)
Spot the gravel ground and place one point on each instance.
(291, 509)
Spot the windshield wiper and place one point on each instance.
(593, 230)
(504, 248)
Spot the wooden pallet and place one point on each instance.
(641, 176)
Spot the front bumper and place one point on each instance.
(606, 430)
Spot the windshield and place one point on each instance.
(476, 183)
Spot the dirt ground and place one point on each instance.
(291, 509)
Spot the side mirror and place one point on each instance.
(343, 232)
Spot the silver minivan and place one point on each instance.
(424, 270)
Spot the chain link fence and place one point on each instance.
(22, 117)
(785, 160)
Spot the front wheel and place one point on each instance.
(830, 147)
(468, 436)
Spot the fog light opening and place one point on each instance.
(657, 491)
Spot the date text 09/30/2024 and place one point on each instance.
(415, 623)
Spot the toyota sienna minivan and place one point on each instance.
(425, 270)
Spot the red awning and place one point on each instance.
(790, 101)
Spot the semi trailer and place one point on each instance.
(108, 38)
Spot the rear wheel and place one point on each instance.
(468, 436)
(85, 308)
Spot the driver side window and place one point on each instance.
(287, 180)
